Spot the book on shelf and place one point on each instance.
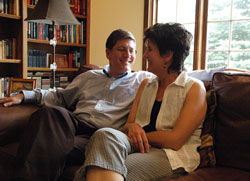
(63, 81)
(64, 33)
(38, 81)
(16, 8)
(32, 2)
(1, 6)
(4, 86)
(44, 80)
(37, 58)
(10, 7)
(78, 7)
(1, 49)
(75, 57)
(45, 84)
(40, 58)
(8, 48)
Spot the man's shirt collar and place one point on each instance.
(106, 72)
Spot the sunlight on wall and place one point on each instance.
(109, 15)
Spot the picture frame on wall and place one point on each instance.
(61, 60)
(16, 85)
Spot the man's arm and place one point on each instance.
(9, 101)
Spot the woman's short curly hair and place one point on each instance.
(174, 37)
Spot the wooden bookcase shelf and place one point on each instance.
(45, 69)
(11, 16)
(57, 44)
(10, 61)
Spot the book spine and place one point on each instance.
(1, 6)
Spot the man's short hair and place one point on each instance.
(116, 35)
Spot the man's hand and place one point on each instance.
(138, 138)
(9, 101)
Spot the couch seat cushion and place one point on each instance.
(215, 174)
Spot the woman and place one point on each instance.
(162, 134)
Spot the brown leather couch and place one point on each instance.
(225, 157)
(228, 123)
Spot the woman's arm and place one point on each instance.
(134, 131)
(190, 118)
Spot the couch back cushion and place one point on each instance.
(232, 133)
(206, 150)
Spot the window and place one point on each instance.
(221, 30)
(181, 11)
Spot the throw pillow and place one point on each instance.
(206, 150)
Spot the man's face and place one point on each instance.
(121, 57)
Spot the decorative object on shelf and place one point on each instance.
(60, 59)
(56, 13)
(16, 85)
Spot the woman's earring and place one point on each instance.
(165, 64)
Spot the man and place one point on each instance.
(61, 128)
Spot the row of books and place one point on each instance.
(78, 7)
(64, 33)
(40, 58)
(75, 58)
(8, 48)
(10, 7)
(4, 85)
(32, 2)
(44, 80)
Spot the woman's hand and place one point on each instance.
(138, 138)
(9, 101)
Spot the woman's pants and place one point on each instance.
(111, 149)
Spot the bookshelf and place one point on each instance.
(72, 41)
(14, 28)
(11, 64)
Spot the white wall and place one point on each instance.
(108, 15)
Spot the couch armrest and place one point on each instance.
(12, 121)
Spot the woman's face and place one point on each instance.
(153, 57)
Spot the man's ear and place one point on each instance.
(108, 52)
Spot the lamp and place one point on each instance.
(55, 12)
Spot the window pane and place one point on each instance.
(166, 11)
(241, 35)
(218, 36)
(190, 28)
(240, 60)
(188, 63)
(216, 59)
(241, 9)
(219, 9)
(186, 11)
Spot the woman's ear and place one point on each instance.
(168, 56)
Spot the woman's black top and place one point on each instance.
(153, 117)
